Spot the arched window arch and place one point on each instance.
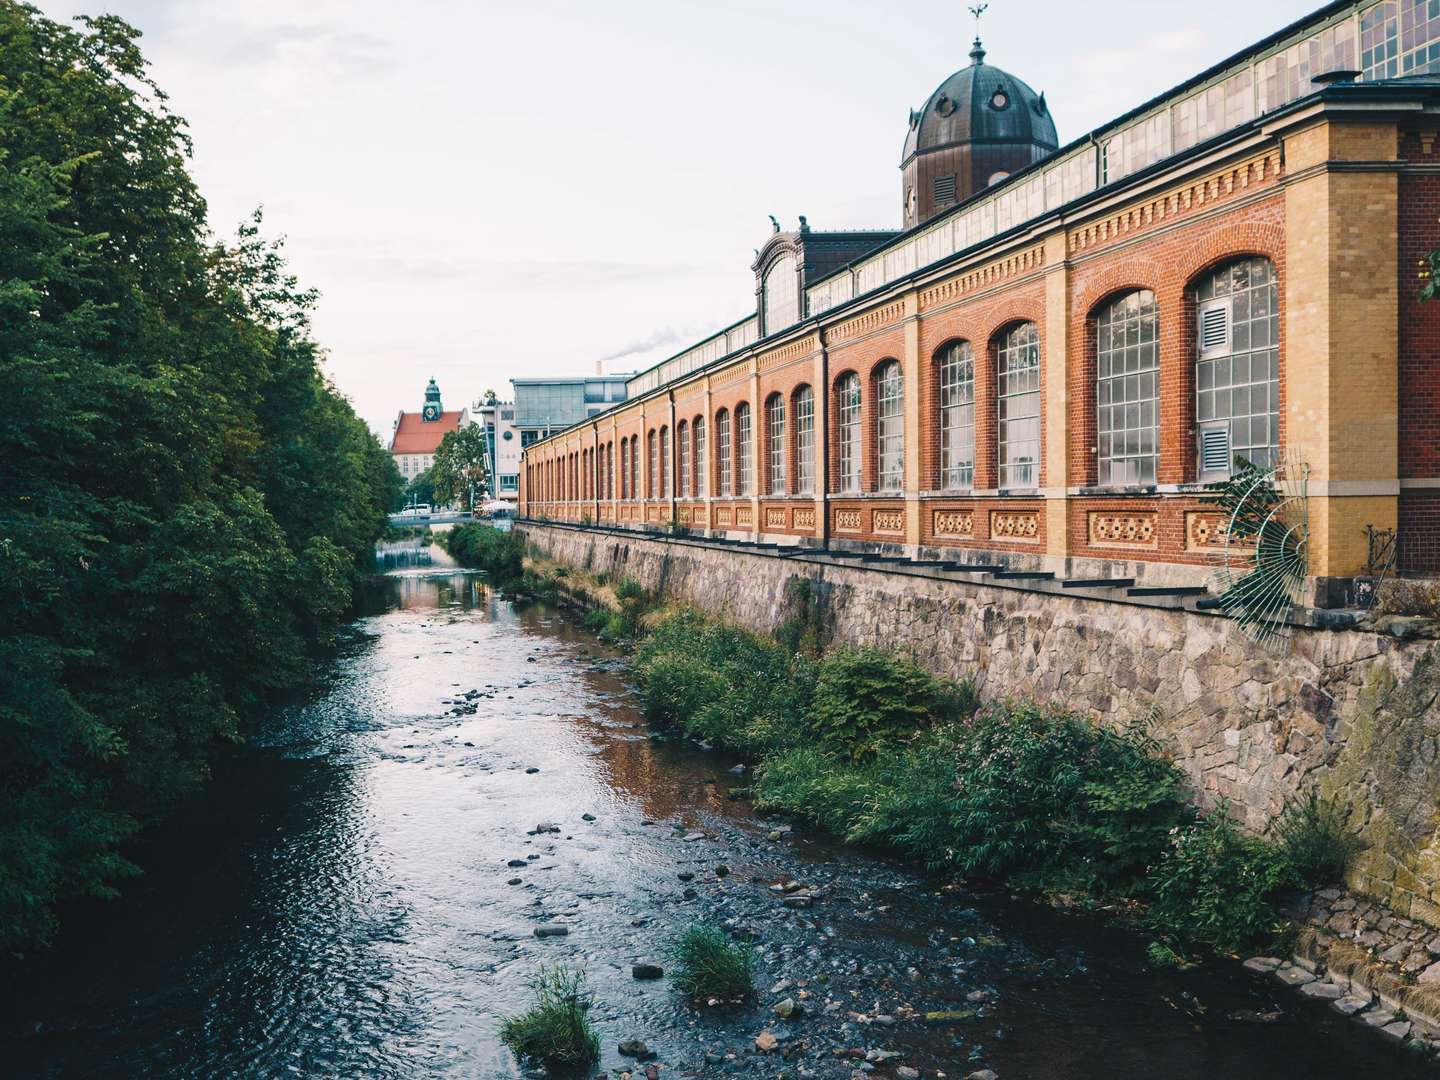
(804, 440)
(702, 477)
(847, 417)
(745, 443)
(775, 444)
(1017, 380)
(664, 492)
(682, 464)
(723, 460)
(1237, 366)
(956, 364)
(1127, 389)
(781, 303)
(889, 427)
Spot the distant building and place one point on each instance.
(545, 406)
(417, 435)
(502, 446)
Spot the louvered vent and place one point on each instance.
(944, 189)
(1215, 449)
(1215, 328)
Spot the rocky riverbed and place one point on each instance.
(474, 794)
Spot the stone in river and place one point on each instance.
(635, 1048)
(1349, 1006)
(1325, 990)
(722, 870)
(905, 1072)
(647, 971)
(545, 827)
(983, 1074)
(798, 900)
(587, 817)
(516, 862)
(766, 1042)
(690, 838)
(513, 881)
(1291, 975)
(787, 1009)
(551, 931)
(685, 875)
(1262, 964)
(738, 770)
(531, 771)
(690, 894)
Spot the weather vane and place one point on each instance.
(977, 10)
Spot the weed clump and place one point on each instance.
(708, 964)
(556, 1031)
(1317, 841)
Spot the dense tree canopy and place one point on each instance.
(184, 498)
(458, 472)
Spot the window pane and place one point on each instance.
(775, 443)
(1018, 406)
(805, 441)
(747, 458)
(1243, 388)
(848, 414)
(890, 427)
(957, 417)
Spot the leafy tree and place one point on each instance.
(420, 490)
(184, 498)
(458, 471)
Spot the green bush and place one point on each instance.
(500, 554)
(1317, 840)
(721, 683)
(708, 964)
(1216, 886)
(556, 1031)
(866, 697)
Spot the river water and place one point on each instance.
(339, 903)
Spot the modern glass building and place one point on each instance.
(545, 406)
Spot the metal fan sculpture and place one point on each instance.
(1265, 556)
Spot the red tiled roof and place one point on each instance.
(414, 436)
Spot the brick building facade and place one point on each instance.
(1046, 374)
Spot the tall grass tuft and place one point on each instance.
(1316, 839)
(556, 1031)
(708, 964)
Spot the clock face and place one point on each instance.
(431, 413)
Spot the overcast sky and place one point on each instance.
(489, 190)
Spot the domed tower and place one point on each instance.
(979, 126)
(432, 409)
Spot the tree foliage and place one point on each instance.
(184, 498)
(458, 471)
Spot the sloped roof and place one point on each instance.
(415, 436)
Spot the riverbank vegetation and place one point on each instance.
(556, 1031)
(878, 751)
(707, 964)
(185, 499)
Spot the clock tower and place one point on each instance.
(432, 409)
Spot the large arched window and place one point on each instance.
(775, 444)
(745, 443)
(781, 295)
(609, 471)
(723, 461)
(957, 417)
(682, 459)
(625, 468)
(1237, 367)
(1127, 389)
(664, 492)
(653, 473)
(889, 427)
(702, 478)
(805, 440)
(1017, 371)
(847, 414)
(634, 466)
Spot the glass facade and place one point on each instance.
(847, 413)
(890, 427)
(1127, 390)
(775, 444)
(1238, 385)
(805, 441)
(957, 417)
(723, 460)
(664, 492)
(702, 477)
(1018, 378)
(745, 443)
(682, 440)
(553, 405)
(781, 294)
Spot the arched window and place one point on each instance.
(651, 490)
(682, 453)
(957, 417)
(702, 478)
(781, 295)
(664, 492)
(1237, 367)
(745, 443)
(775, 443)
(624, 468)
(1017, 371)
(722, 451)
(1127, 389)
(889, 427)
(805, 441)
(634, 466)
(847, 413)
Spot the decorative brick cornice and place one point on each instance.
(872, 320)
(982, 277)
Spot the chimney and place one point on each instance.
(599, 367)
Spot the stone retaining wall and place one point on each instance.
(1356, 712)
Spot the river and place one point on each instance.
(339, 903)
